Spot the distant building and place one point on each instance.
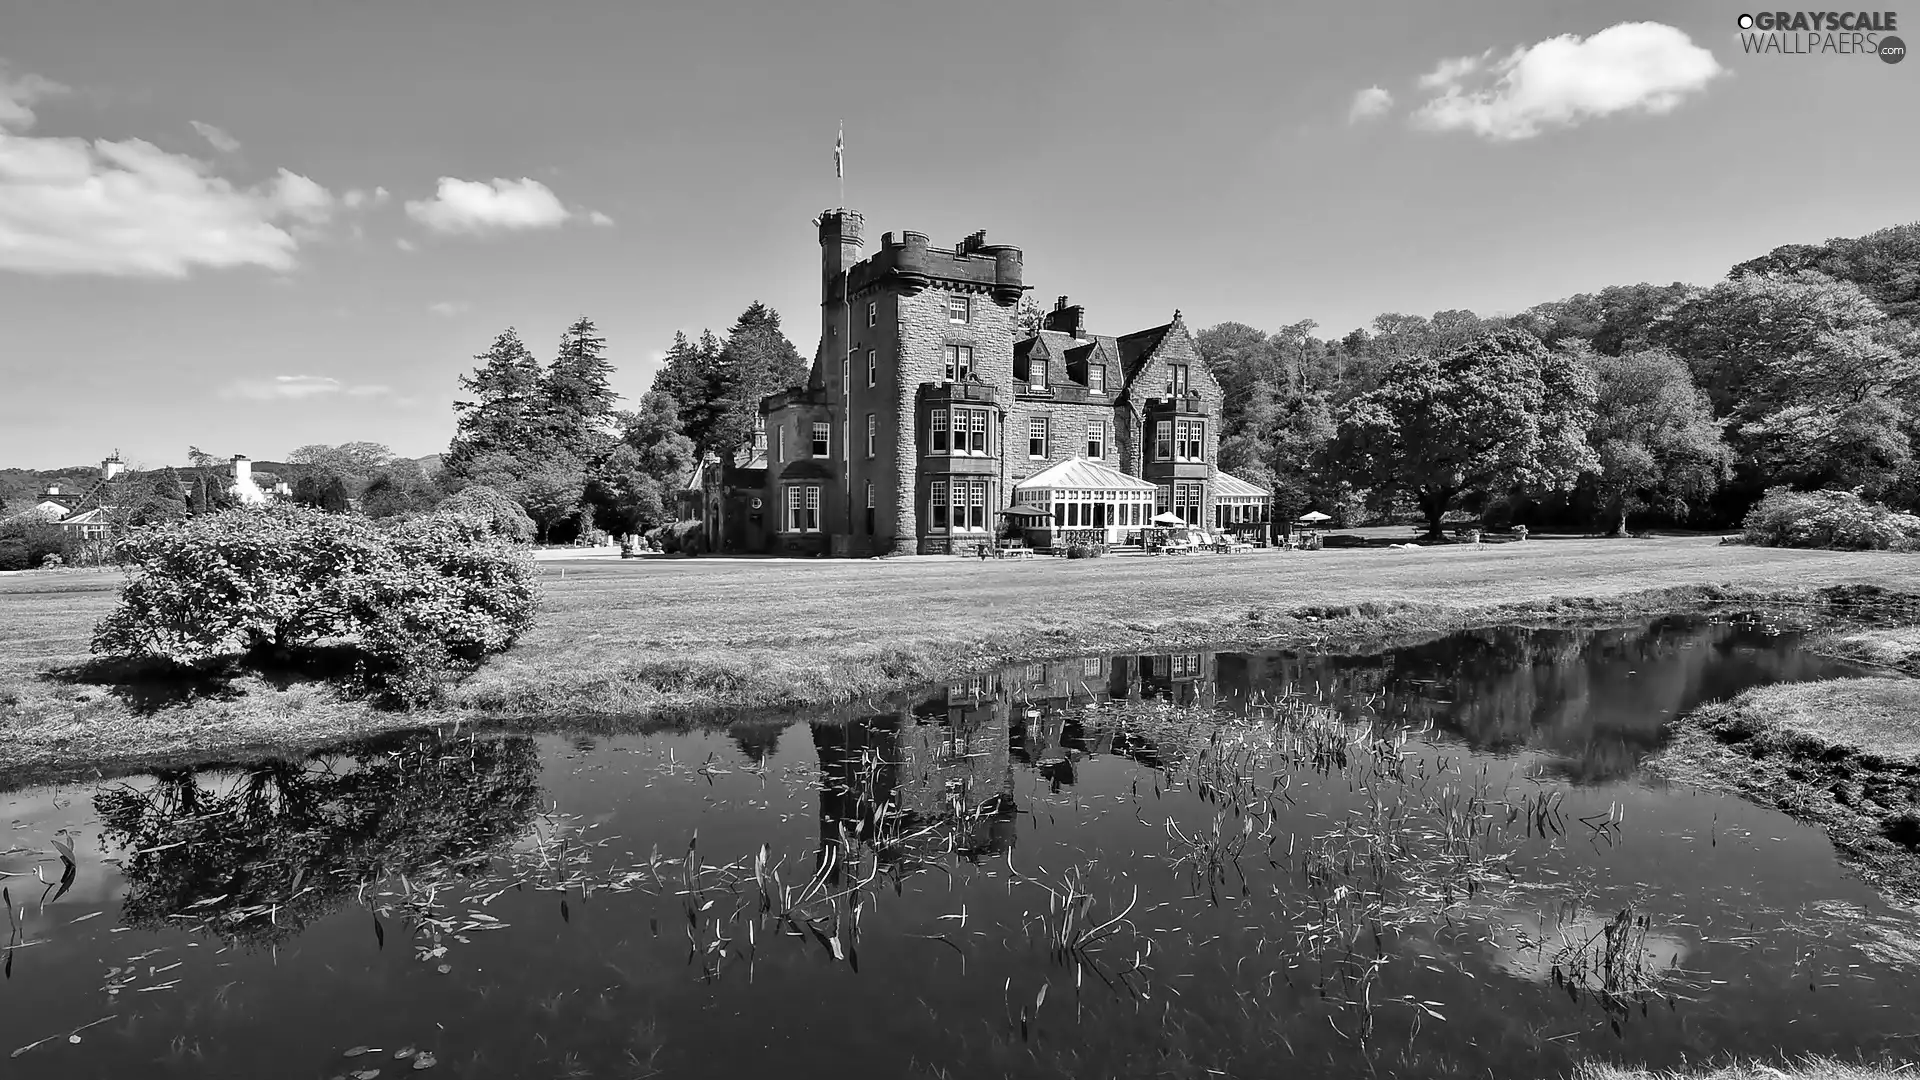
(929, 412)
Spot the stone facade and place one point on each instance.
(893, 325)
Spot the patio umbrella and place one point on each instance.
(1169, 519)
(1025, 512)
(1315, 515)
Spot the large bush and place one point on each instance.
(421, 601)
(1829, 519)
(503, 516)
(26, 542)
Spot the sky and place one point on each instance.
(250, 225)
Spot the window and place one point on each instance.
(959, 362)
(1093, 668)
(1037, 437)
(959, 308)
(803, 509)
(760, 433)
(1186, 667)
(1096, 438)
(977, 427)
(822, 439)
(780, 451)
(869, 508)
(1186, 502)
(957, 505)
(937, 428)
(1160, 499)
(873, 312)
(1177, 380)
(1037, 374)
(959, 431)
(1163, 442)
(1097, 378)
(873, 368)
(873, 428)
(1189, 443)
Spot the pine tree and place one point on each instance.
(576, 397)
(506, 387)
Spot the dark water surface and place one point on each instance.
(1441, 860)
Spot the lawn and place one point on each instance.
(653, 635)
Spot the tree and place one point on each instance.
(1498, 411)
(635, 488)
(504, 410)
(400, 489)
(325, 491)
(576, 398)
(502, 516)
(547, 487)
(353, 461)
(719, 387)
(1657, 443)
(207, 488)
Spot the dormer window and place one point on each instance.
(1097, 378)
(959, 308)
(1037, 374)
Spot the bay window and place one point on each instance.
(803, 508)
(937, 430)
(957, 505)
(1163, 441)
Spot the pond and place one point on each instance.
(1438, 860)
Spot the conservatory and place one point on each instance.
(1088, 502)
(1239, 507)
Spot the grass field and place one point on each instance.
(649, 635)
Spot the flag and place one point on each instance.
(839, 153)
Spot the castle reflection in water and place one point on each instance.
(944, 768)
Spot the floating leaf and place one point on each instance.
(366, 1074)
(405, 1052)
(357, 1051)
(444, 968)
(426, 1060)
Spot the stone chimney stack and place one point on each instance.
(1066, 320)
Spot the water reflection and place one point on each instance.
(254, 856)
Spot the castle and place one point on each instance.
(929, 413)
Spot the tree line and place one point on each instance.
(1674, 402)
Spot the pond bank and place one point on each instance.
(1843, 754)
(1814, 1069)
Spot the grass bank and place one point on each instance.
(675, 637)
(1843, 754)
(1895, 647)
(1808, 1069)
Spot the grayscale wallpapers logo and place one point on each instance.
(1806, 33)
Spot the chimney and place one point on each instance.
(974, 242)
(1066, 320)
(112, 467)
(242, 469)
(54, 489)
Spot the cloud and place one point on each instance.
(297, 388)
(405, 244)
(475, 206)
(1563, 81)
(1369, 103)
(216, 138)
(355, 198)
(449, 308)
(600, 219)
(127, 208)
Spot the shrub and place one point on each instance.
(1828, 519)
(503, 516)
(682, 537)
(1084, 551)
(421, 601)
(26, 542)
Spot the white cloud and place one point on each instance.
(1562, 81)
(1369, 103)
(18, 93)
(216, 138)
(600, 219)
(449, 308)
(475, 206)
(355, 198)
(296, 388)
(128, 208)
(405, 244)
